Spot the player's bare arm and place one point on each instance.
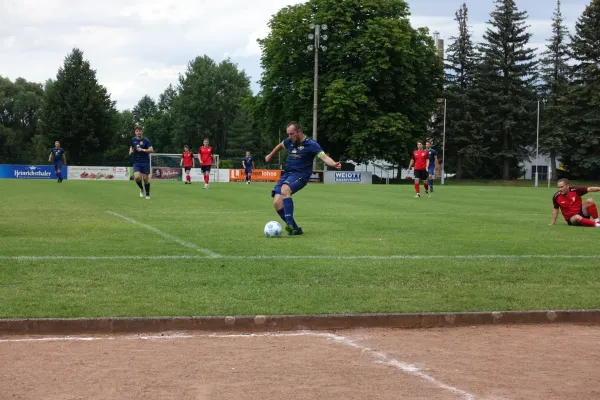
(427, 165)
(276, 150)
(50, 157)
(149, 150)
(554, 216)
(412, 162)
(329, 161)
(130, 150)
(593, 189)
(243, 164)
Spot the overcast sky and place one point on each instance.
(139, 47)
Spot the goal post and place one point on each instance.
(167, 167)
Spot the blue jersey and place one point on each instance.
(57, 154)
(301, 156)
(248, 162)
(139, 157)
(432, 155)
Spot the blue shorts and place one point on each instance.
(431, 170)
(294, 181)
(142, 168)
(249, 171)
(57, 165)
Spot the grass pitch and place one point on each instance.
(96, 249)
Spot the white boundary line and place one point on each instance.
(165, 235)
(377, 356)
(303, 257)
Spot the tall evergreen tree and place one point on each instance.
(555, 89)
(582, 153)
(506, 89)
(465, 151)
(78, 111)
(145, 108)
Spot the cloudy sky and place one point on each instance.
(140, 46)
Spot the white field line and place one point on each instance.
(165, 235)
(303, 257)
(377, 356)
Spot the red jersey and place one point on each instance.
(205, 155)
(571, 203)
(188, 159)
(420, 157)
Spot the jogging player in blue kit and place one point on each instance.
(57, 156)
(433, 163)
(298, 169)
(141, 149)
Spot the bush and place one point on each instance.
(226, 164)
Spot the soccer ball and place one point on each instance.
(272, 229)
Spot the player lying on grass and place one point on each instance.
(574, 210)
(298, 169)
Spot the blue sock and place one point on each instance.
(281, 214)
(288, 208)
(58, 174)
(430, 182)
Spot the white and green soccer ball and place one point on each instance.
(272, 229)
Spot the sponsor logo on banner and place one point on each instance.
(172, 174)
(353, 177)
(258, 175)
(316, 177)
(33, 171)
(99, 173)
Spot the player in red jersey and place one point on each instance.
(574, 210)
(420, 159)
(187, 162)
(205, 155)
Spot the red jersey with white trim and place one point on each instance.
(205, 155)
(420, 157)
(188, 159)
(571, 203)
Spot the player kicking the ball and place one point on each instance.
(298, 169)
(187, 162)
(420, 159)
(141, 149)
(574, 210)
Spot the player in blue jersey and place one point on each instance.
(248, 164)
(141, 149)
(57, 156)
(298, 169)
(433, 163)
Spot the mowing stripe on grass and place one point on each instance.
(305, 257)
(165, 235)
(379, 357)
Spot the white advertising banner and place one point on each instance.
(196, 175)
(98, 173)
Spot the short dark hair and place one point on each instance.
(205, 139)
(296, 125)
(563, 180)
(138, 126)
(428, 141)
(185, 146)
(419, 141)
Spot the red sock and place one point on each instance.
(593, 211)
(426, 186)
(206, 179)
(187, 178)
(417, 189)
(588, 222)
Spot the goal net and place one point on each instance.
(167, 167)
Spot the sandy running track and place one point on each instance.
(486, 362)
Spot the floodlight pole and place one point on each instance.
(444, 144)
(317, 38)
(537, 144)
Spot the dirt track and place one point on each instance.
(487, 362)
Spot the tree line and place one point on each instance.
(381, 85)
(492, 90)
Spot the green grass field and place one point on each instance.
(64, 252)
